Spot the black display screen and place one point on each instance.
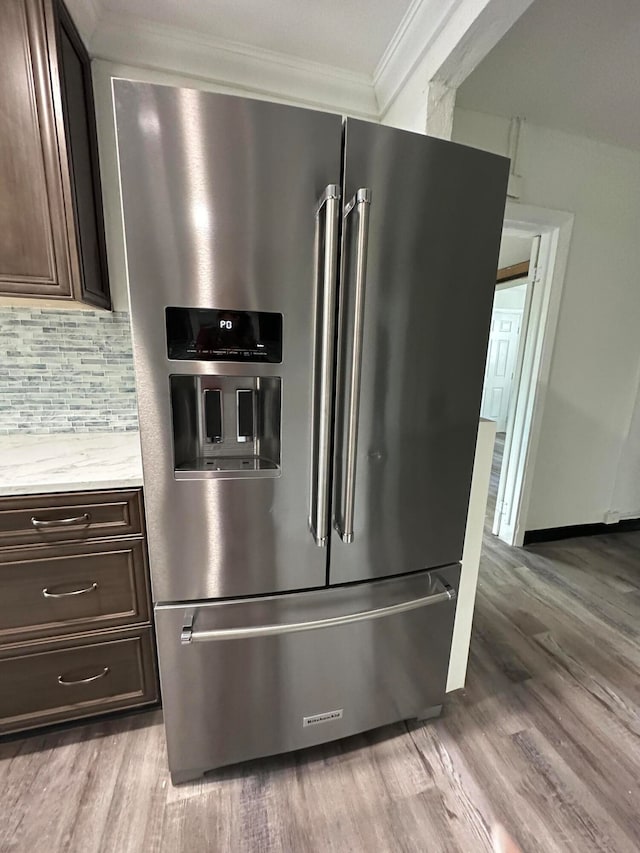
(212, 334)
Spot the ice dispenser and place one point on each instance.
(225, 425)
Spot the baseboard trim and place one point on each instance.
(552, 534)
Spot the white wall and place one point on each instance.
(589, 437)
(433, 54)
(409, 110)
(626, 493)
(471, 554)
(513, 250)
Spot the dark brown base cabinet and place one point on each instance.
(75, 610)
(51, 221)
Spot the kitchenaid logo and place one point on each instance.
(322, 718)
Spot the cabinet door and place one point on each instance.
(34, 250)
(82, 150)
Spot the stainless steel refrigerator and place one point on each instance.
(310, 303)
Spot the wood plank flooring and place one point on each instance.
(545, 739)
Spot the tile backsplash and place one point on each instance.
(65, 371)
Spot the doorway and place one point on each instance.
(504, 354)
(504, 339)
(533, 257)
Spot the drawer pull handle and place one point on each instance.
(189, 635)
(65, 683)
(48, 594)
(85, 518)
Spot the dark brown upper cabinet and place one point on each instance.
(51, 226)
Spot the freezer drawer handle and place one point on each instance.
(361, 203)
(319, 512)
(189, 635)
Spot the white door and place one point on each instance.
(501, 362)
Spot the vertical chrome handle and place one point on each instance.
(361, 203)
(329, 202)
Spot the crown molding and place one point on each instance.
(443, 42)
(436, 39)
(472, 31)
(129, 40)
(420, 27)
(85, 15)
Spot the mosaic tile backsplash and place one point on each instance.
(65, 371)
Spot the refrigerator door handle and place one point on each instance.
(190, 635)
(361, 203)
(329, 202)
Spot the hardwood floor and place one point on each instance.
(545, 739)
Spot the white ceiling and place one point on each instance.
(348, 34)
(568, 64)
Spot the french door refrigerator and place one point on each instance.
(310, 304)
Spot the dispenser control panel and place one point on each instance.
(213, 334)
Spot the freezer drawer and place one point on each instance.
(243, 679)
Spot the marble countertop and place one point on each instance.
(69, 462)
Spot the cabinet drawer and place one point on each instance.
(75, 515)
(52, 590)
(49, 682)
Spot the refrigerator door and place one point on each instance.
(421, 235)
(226, 207)
(243, 679)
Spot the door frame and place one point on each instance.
(546, 279)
